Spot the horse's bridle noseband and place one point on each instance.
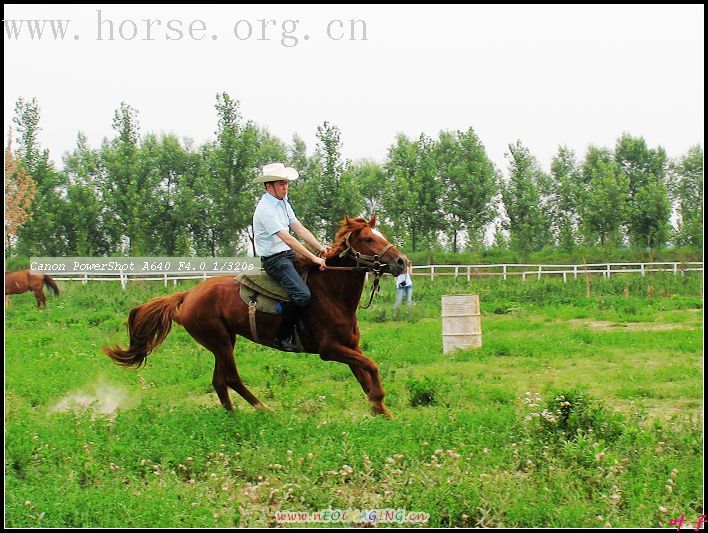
(369, 263)
(366, 263)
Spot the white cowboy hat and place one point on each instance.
(276, 172)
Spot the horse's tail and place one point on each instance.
(49, 282)
(148, 325)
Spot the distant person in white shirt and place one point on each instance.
(404, 285)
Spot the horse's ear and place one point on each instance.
(372, 222)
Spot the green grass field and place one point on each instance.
(579, 411)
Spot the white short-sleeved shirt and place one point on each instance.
(271, 216)
(404, 278)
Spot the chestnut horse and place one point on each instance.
(22, 281)
(214, 314)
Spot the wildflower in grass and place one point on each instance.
(549, 416)
(615, 494)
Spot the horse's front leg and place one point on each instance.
(359, 364)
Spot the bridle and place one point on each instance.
(365, 263)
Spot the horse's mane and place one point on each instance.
(346, 227)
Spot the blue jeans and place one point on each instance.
(400, 291)
(280, 267)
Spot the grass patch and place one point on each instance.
(622, 407)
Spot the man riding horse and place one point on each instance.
(271, 222)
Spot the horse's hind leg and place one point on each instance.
(233, 380)
(41, 299)
(221, 344)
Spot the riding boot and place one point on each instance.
(284, 338)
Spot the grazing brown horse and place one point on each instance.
(214, 314)
(23, 281)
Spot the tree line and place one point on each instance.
(159, 195)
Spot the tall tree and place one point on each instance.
(83, 218)
(303, 194)
(42, 235)
(127, 185)
(232, 163)
(526, 199)
(20, 189)
(469, 185)
(649, 218)
(335, 193)
(566, 183)
(398, 198)
(169, 166)
(603, 198)
(413, 194)
(646, 172)
(368, 177)
(687, 188)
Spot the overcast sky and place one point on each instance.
(546, 75)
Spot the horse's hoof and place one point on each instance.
(263, 407)
(381, 410)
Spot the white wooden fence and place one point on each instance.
(523, 270)
(468, 271)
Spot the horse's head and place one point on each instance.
(358, 237)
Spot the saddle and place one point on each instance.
(262, 293)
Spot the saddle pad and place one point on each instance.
(264, 284)
(264, 290)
